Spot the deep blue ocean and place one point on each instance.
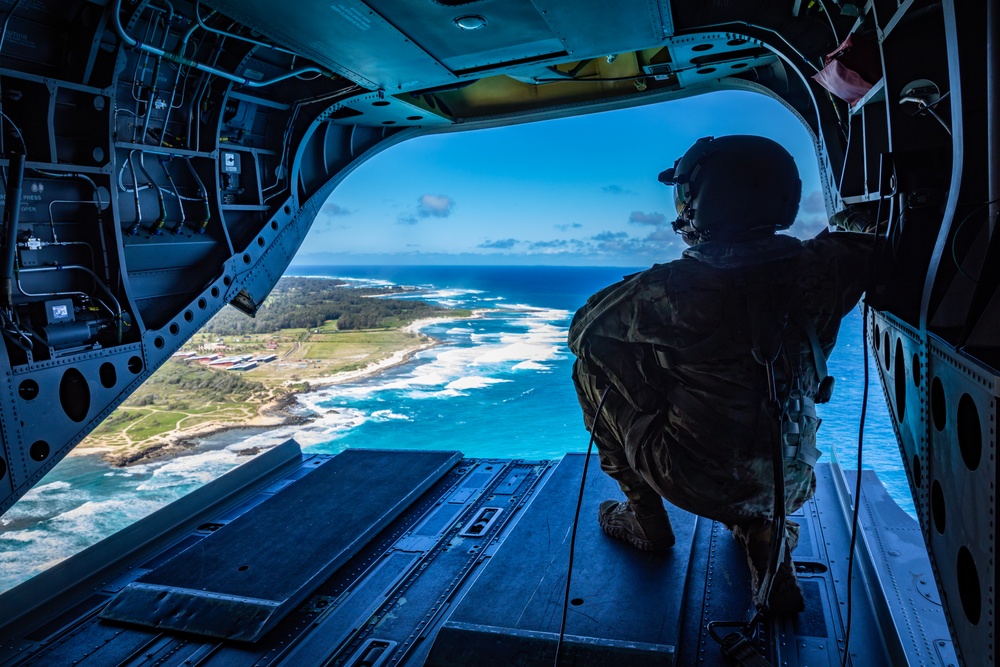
(498, 385)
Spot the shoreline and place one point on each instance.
(277, 412)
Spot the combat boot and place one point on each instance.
(646, 530)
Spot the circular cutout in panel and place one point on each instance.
(158, 342)
(260, 241)
(188, 315)
(899, 380)
(885, 350)
(915, 369)
(738, 65)
(135, 365)
(215, 292)
(287, 209)
(388, 122)
(414, 118)
(39, 450)
(3, 468)
(968, 586)
(202, 303)
(705, 70)
(702, 47)
(917, 471)
(937, 507)
(74, 395)
(109, 376)
(875, 339)
(27, 390)
(970, 432)
(227, 281)
(736, 42)
(174, 329)
(939, 406)
(380, 103)
(246, 258)
(274, 225)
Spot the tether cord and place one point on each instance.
(861, 439)
(576, 521)
(857, 494)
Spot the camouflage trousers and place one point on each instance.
(652, 457)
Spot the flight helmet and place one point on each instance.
(733, 188)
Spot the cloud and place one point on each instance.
(436, 206)
(335, 209)
(639, 218)
(808, 226)
(616, 190)
(503, 244)
(568, 226)
(428, 206)
(610, 236)
(814, 202)
(549, 245)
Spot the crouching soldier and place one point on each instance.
(708, 363)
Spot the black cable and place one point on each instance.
(861, 437)
(576, 521)
(857, 492)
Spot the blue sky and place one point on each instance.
(575, 191)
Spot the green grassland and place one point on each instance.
(184, 398)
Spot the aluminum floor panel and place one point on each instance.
(241, 580)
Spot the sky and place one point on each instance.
(578, 191)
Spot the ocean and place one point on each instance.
(498, 386)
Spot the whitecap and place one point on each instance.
(58, 485)
(531, 366)
(473, 382)
(386, 415)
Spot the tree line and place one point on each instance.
(306, 303)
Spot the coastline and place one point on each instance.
(278, 411)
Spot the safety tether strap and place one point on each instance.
(737, 646)
(804, 322)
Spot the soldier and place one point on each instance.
(689, 349)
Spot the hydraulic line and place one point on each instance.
(204, 194)
(179, 59)
(201, 24)
(157, 228)
(100, 207)
(138, 209)
(11, 218)
(138, 80)
(73, 267)
(165, 163)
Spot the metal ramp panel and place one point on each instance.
(245, 577)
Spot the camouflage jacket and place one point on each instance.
(687, 323)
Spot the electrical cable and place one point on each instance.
(20, 136)
(576, 521)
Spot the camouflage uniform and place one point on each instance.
(684, 420)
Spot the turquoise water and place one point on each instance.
(498, 385)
